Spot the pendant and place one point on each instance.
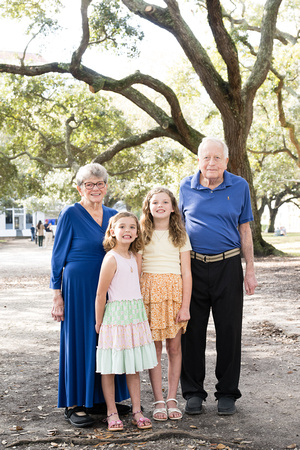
(131, 269)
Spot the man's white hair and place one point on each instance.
(216, 141)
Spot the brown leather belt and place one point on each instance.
(215, 258)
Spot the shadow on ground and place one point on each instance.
(268, 412)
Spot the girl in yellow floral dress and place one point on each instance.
(166, 285)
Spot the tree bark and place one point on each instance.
(233, 100)
(273, 213)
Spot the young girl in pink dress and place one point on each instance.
(125, 343)
(166, 285)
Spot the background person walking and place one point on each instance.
(48, 233)
(40, 233)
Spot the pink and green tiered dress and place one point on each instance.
(125, 342)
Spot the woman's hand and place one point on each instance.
(58, 306)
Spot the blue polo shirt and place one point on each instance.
(212, 216)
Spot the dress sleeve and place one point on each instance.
(61, 247)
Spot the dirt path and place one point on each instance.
(268, 412)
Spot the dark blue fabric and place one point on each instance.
(212, 216)
(76, 261)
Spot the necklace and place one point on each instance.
(161, 232)
(129, 264)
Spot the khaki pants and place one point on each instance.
(48, 238)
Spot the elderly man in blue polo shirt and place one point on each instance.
(216, 209)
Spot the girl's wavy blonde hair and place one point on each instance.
(110, 241)
(177, 231)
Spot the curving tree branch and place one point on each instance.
(132, 141)
(275, 152)
(280, 36)
(225, 44)
(264, 55)
(285, 124)
(171, 20)
(36, 158)
(85, 37)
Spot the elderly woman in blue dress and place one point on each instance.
(76, 260)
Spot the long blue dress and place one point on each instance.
(76, 260)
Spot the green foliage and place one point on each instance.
(35, 116)
(34, 112)
(17, 181)
(135, 171)
(111, 25)
(17, 9)
(39, 13)
(8, 172)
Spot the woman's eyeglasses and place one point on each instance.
(89, 185)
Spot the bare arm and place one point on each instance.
(58, 306)
(139, 259)
(108, 269)
(247, 249)
(184, 312)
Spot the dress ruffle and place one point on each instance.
(125, 342)
(127, 361)
(124, 337)
(124, 312)
(162, 295)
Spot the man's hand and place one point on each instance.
(247, 249)
(250, 283)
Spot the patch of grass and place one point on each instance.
(289, 244)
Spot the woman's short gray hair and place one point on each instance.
(90, 170)
(216, 141)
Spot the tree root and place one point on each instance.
(127, 439)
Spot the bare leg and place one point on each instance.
(108, 387)
(156, 382)
(173, 347)
(134, 387)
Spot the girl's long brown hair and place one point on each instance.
(177, 231)
(110, 241)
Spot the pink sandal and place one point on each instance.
(114, 425)
(143, 423)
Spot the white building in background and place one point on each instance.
(16, 222)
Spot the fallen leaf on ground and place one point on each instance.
(16, 428)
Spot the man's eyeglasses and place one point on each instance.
(89, 185)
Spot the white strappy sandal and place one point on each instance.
(172, 410)
(160, 411)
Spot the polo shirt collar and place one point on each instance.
(195, 182)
